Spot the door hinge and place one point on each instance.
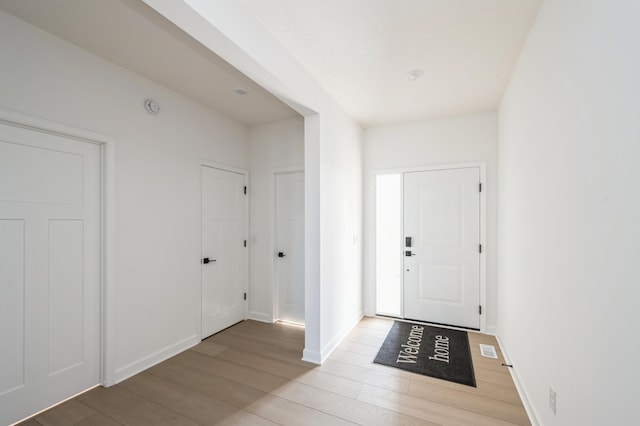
(245, 190)
(245, 296)
(480, 309)
(480, 187)
(245, 243)
(480, 248)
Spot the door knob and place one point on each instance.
(281, 254)
(207, 260)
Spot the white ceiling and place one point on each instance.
(362, 50)
(134, 36)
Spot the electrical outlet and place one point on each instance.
(552, 400)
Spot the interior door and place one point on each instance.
(442, 246)
(49, 269)
(223, 259)
(289, 244)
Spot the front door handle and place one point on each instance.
(408, 253)
(207, 260)
(281, 254)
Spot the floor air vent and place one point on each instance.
(488, 351)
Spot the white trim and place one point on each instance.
(522, 392)
(221, 166)
(207, 163)
(273, 288)
(107, 222)
(328, 349)
(410, 321)
(312, 357)
(482, 168)
(431, 167)
(260, 316)
(402, 244)
(53, 406)
(109, 264)
(483, 242)
(319, 357)
(157, 357)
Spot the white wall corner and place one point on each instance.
(491, 330)
(328, 349)
(369, 311)
(261, 316)
(522, 392)
(311, 356)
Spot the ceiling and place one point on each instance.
(134, 36)
(361, 51)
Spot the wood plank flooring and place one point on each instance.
(251, 374)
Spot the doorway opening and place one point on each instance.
(288, 246)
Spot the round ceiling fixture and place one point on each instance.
(413, 75)
(151, 106)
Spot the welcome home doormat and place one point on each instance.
(431, 351)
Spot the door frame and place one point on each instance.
(107, 246)
(198, 267)
(273, 281)
(482, 166)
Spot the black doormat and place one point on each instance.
(431, 351)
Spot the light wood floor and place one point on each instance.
(251, 374)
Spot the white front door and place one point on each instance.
(289, 246)
(442, 246)
(224, 259)
(50, 196)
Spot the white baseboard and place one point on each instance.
(260, 316)
(157, 357)
(316, 357)
(333, 344)
(311, 356)
(519, 385)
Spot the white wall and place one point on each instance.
(156, 264)
(333, 188)
(272, 146)
(341, 225)
(568, 211)
(451, 140)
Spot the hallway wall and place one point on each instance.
(569, 238)
(154, 289)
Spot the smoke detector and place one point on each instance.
(151, 106)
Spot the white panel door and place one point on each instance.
(224, 260)
(49, 270)
(442, 259)
(289, 245)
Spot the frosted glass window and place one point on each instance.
(389, 245)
